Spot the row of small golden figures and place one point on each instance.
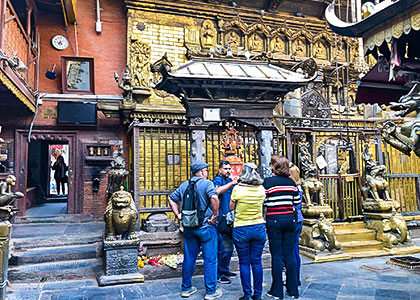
(99, 151)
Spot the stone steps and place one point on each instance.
(71, 218)
(54, 254)
(355, 235)
(55, 271)
(46, 251)
(361, 246)
(349, 225)
(28, 243)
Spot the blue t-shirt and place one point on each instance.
(224, 198)
(205, 189)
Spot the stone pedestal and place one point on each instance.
(120, 262)
(4, 256)
(319, 243)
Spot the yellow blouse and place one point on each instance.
(249, 201)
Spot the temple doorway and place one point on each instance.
(44, 196)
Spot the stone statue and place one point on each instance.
(121, 216)
(320, 236)
(310, 183)
(117, 175)
(7, 198)
(126, 87)
(408, 139)
(375, 192)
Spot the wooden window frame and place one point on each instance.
(64, 60)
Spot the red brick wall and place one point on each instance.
(107, 48)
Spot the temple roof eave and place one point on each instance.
(385, 12)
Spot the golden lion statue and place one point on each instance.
(121, 216)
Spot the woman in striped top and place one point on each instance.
(281, 198)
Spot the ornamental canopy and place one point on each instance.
(230, 79)
(230, 88)
(387, 20)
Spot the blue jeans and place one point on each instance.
(249, 242)
(281, 237)
(297, 256)
(206, 239)
(223, 256)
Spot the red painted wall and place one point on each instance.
(107, 48)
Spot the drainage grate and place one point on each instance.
(408, 262)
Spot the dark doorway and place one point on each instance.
(43, 196)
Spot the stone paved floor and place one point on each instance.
(349, 280)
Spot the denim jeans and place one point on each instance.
(249, 242)
(297, 256)
(224, 254)
(281, 237)
(206, 239)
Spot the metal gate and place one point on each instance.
(403, 177)
(163, 164)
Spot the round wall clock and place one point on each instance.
(59, 42)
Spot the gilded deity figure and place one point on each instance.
(298, 48)
(208, 34)
(140, 63)
(234, 39)
(127, 92)
(7, 198)
(319, 50)
(277, 44)
(310, 183)
(255, 43)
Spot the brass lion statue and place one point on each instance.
(121, 216)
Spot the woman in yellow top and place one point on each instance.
(249, 234)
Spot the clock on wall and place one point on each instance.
(59, 42)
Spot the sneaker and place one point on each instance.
(217, 294)
(272, 296)
(244, 298)
(256, 298)
(231, 275)
(224, 280)
(186, 294)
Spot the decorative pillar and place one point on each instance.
(197, 145)
(4, 255)
(265, 150)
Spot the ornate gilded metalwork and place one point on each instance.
(117, 176)
(208, 34)
(8, 198)
(140, 53)
(375, 191)
(127, 89)
(320, 235)
(408, 139)
(121, 216)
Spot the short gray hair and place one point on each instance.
(249, 175)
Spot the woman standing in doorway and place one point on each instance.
(281, 198)
(60, 168)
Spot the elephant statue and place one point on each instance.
(399, 228)
(320, 236)
(309, 238)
